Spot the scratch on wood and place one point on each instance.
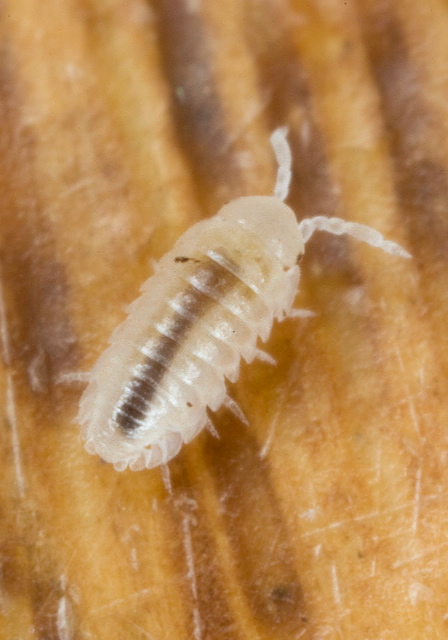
(11, 413)
(268, 443)
(119, 601)
(143, 631)
(409, 398)
(417, 500)
(4, 333)
(420, 556)
(63, 623)
(274, 422)
(188, 547)
(362, 518)
(15, 440)
(335, 583)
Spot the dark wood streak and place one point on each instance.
(216, 281)
(285, 82)
(421, 179)
(210, 609)
(263, 552)
(42, 341)
(187, 55)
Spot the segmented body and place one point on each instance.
(213, 295)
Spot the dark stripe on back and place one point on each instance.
(216, 281)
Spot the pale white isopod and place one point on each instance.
(212, 296)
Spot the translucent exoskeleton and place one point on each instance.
(210, 300)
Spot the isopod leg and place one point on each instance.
(74, 377)
(264, 357)
(292, 277)
(300, 313)
(211, 428)
(232, 406)
(166, 477)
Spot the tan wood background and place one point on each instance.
(124, 121)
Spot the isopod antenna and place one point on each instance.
(337, 226)
(283, 155)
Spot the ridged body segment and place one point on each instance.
(212, 296)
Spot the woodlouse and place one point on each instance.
(212, 296)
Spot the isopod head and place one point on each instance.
(270, 219)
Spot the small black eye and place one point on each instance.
(185, 259)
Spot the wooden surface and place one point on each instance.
(123, 122)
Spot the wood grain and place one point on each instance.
(122, 123)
